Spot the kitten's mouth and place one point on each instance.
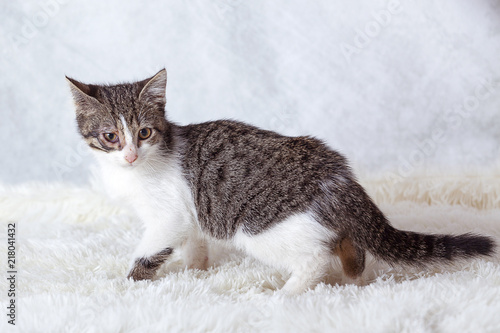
(129, 165)
(134, 164)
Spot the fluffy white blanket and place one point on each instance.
(73, 248)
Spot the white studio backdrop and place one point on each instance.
(397, 86)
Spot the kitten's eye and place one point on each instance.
(144, 133)
(111, 137)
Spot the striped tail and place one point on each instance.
(394, 246)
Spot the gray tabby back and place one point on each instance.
(245, 176)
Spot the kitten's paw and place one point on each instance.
(294, 287)
(141, 270)
(359, 281)
(145, 268)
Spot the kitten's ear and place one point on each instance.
(83, 94)
(154, 89)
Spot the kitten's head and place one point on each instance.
(125, 123)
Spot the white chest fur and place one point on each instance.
(158, 193)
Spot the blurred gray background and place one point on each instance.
(397, 86)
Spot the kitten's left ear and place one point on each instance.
(154, 89)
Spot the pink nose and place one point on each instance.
(131, 157)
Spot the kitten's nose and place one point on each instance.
(130, 154)
(131, 157)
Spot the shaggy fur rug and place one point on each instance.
(74, 246)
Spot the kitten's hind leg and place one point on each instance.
(352, 258)
(299, 245)
(307, 276)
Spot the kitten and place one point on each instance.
(291, 202)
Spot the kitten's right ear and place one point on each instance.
(83, 94)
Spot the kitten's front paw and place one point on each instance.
(145, 268)
(141, 270)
